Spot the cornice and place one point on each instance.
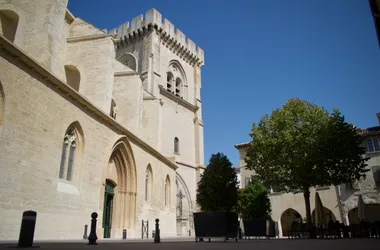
(177, 99)
(200, 167)
(186, 164)
(88, 38)
(82, 101)
(125, 73)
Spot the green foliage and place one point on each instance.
(217, 189)
(300, 146)
(253, 201)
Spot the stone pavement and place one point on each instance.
(173, 244)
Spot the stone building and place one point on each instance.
(340, 202)
(99, 121)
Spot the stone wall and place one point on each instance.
(36, 116)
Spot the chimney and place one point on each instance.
(378, 117)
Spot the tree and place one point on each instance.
(300, 146)
(217, 189)
(253, 201)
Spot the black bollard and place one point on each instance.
(85, 232)
(157, 235)
(92, 237)
(124, 234)
(28, 225)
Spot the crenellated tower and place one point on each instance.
(169, 65)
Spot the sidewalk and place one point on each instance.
(136, 240)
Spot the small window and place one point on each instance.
(373, 144)
(176, 145)
(113, 109)
(148, 183)
(247, 180)
(167, 191)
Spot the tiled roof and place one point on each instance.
(369, 131)
(237, 169)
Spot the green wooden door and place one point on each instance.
(107, 208)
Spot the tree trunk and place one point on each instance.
(306, 195)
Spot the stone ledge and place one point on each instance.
(177, 99)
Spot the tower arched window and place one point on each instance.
(176, 145)
(176, 80)
(169, 82)
(178, 85)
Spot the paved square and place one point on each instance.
(343, 244)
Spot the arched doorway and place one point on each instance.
(287, 217)
(108, 207)
(118, 197)
(328, 215)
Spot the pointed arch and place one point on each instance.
(72, 152)
(328, 214)
(120, 167)
(287, 218)
(148, 183)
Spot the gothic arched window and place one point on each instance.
(70, 153)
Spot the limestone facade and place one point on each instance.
(340, 202)
(88, 123)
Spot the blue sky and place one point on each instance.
(259, 53)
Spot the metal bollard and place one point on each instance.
(85, 232)
(28, 225)
(157, 235)
(92, 238)
(124, 234)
